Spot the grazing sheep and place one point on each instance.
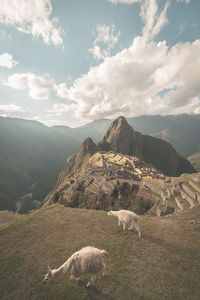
(88, 260)
(127, 217)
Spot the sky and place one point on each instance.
(69, 62)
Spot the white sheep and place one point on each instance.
(127, 217)
(88, 260)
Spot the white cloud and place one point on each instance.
(186, 1)
(38, 87)
(7, 61)
(153, 21)
(62, 91)
(128, 83)
(11, 110)
(105, 41)
(32, 17)
(60, 108)
(124, 1)
(4, 35)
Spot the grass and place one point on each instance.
(190, 187)
(172, 203)
(163, 264)
(184, 202)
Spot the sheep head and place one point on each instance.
(47, 276)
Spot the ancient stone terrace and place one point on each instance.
(117, 165)
(180, 193)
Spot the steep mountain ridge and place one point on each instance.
(122, 138)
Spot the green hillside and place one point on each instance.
(162, 264)
(29, 152)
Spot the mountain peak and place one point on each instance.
(118, 136)
(119, 124)
(88, 146)
(122, 138)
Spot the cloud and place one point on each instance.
(7, 61)
(4, 35)
(129, 82)
(105, 41)
(186, 1)
(59, 114)
(61, 108)
(153, 21)
(38, 86)
(62, 91)
(124, 1)
(12, 110)
(32, 17)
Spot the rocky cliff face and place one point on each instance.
(122, 138)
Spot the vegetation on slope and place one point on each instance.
(29, 152)
(195, 161)
(162, 264)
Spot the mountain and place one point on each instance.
(95, 130)
(31, 155)
(124, 170)
(181, 131)
(195, 161)
(121, 137)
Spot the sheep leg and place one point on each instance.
(119, 222)
(92, 279)
(131, 227)
(104, 269)
(124, 225)
(137, 228)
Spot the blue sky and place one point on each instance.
(70, 62)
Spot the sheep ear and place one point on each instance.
(49, 268)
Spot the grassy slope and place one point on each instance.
(163, 264)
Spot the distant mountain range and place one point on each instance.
(32, 154)
(182, 131)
